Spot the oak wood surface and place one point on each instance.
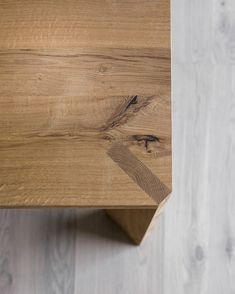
(84, 23)
(76, 78)
(191, 250)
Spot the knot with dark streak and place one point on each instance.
(146, 139)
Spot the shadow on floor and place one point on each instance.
(85, 224)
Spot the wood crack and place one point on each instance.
(126, 111)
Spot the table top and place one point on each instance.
(85, 106)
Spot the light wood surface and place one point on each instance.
(84, 23)
(191, 248)
(79, 79)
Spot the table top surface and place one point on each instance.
(85, 108)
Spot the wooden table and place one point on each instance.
(85, 108)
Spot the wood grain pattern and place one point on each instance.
(138, 172)
(191, 248)
(85, 72)
(136, 222)
(60, 263)
(76, 77)
(84, 23)
(5, 252)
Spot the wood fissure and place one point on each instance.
(127, 111)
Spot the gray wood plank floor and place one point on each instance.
(192, 247)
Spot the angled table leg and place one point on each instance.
(136, 223)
